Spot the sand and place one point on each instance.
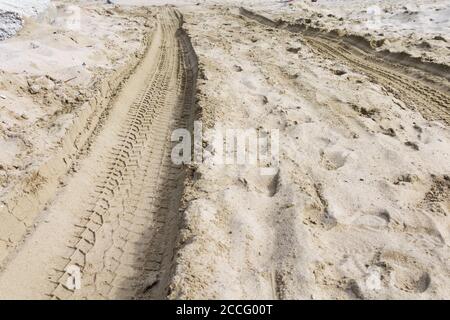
(359, 208)
(26, 8)
(10, 24)
(12, 13)
(358, 202)
(48, 89)
(419, 27)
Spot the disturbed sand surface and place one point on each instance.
(359, 208)
(420, 27)
(358, 205)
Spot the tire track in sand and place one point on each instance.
(432, 101)
(125, 243)
(124, 237)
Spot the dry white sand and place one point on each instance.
(26, 8)
(12, 13)
(420, 27)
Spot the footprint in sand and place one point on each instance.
(437, 199)
(266, 184)
(333, 159)
(406, 273)
(375, 220)
(317, 214)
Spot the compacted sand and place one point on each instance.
(358, 202)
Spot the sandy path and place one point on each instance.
(115, 217)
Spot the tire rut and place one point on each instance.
(417, 92)
(431, 103)
(124, 242)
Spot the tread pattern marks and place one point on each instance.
(119, 245)
(433, 104)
